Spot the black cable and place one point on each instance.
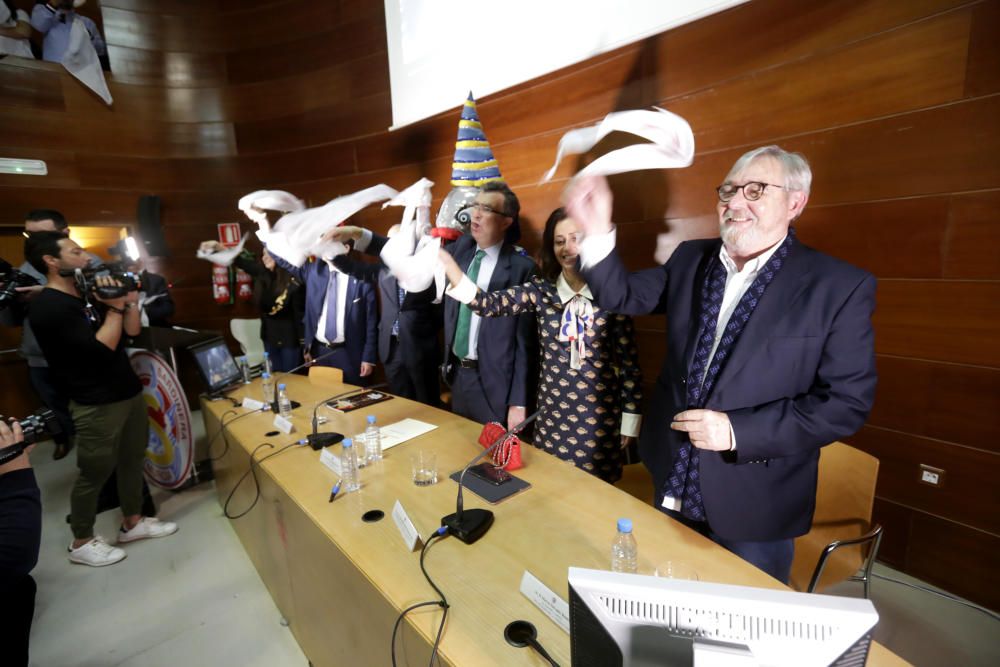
(443, 602)
(947, 596)
(252, 470)
(218, 431)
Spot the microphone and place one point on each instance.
(471, 525)
(319, 440)
(274, 379)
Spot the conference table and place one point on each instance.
(341, 582)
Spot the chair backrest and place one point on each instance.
(845, 494)
(247, 333)
(325, 375)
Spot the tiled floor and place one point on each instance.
(195, 599)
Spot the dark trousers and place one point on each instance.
(468, 398)
(41, 381)
(340, 359)
(283, 359)
(411, 378)
(772, 556)
(16, 612)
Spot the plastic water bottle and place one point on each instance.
(349, 467)
(267, 384)
(373, 441)
(624, 551)
(244, 369)
(267, 363)
(284, 405)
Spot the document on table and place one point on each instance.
(400, 432)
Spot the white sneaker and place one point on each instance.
(96, 553)
(148, 526)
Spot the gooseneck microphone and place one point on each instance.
(319, 440)
(469, 526)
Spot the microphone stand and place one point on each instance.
(274, 379)
(469, 526)
(319, 440)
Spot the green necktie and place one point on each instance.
(461, 345)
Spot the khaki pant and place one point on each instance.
(109, 438)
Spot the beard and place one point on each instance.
(739, 242)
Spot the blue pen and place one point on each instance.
(334, 491)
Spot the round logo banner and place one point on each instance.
(170, 450)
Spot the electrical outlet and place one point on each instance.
(930, 475)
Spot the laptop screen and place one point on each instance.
(216, 364)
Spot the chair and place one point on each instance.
(325, 375)
(247, 333)
(833, 549)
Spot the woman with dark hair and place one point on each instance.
(281, 300)
(589, 388)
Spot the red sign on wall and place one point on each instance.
(229, 234)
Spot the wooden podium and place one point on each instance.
(341, 582)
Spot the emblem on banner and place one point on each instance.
(170, 449)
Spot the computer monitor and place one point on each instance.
(634, 620)
(216, 364)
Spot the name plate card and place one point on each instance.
(283, 425)
(546, 600)
(251, 404)
(405, 526)
(331, 461)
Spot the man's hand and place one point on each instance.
(627, 440)
(515, 415)
(707, 429)
(10, 434)
(108, 281)
(588, 201)
(306, 357)
(211, 246)
(367, 369)
(343, 234)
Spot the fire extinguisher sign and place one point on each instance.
(229, 234)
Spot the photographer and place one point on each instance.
(20, 537)
(85, 349)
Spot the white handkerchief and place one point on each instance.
(223, 257)
(81, 61)
(255, 203)
(411, 255)
(672, 143)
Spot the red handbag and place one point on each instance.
(507, 454)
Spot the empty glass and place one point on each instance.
(424, 468)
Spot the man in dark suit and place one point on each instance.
(490, 361)
(340, 315)
(408, 327)
(156, 304)
(770, 357)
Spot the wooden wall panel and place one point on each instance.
(166, 68)
(948, 402)
(967, 492)
(939, 320)
(30, 88)
(984, 51)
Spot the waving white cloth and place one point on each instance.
(297, 235)
(672, 143)
(255, 203)
(412, 255)
(577, 318)
(81, 61)
(223, 257)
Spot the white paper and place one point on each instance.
(546, 600)
(672, 143)
(405, 526)
(253, 404)
(400, 432)
(81, 61)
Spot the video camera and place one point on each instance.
(10, 280)
(86, 280)
(34, 427)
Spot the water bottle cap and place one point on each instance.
(281, 386)
(267, 354)
(624, 525)
(348, 443)
(265, 375)
(371, 419)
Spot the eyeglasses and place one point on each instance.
(752, 191)
(483, 208)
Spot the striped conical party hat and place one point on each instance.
(474, 164)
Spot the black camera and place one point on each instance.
(34, 427)
(10, 280)
(86, 280)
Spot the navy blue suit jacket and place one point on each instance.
(360, 314)
(801, 375)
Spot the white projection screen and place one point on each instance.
(439, 50)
